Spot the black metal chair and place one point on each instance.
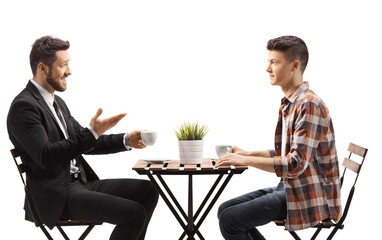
(330, 223)
(61, 223)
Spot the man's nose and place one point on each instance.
(268, 69)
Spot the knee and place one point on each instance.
(226, 221)
(134, 215)
(139, 215)
(221, 208)
(151, 191)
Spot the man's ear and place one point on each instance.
(42, 68)
(296, 65)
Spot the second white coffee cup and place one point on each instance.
(223, 149)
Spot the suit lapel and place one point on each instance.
(36, 94)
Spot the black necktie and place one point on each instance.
(82, 171)
(59, 114)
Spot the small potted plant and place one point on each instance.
(190, 136)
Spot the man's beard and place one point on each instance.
(54, 83)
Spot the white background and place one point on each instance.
(164, 62)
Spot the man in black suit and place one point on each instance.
(51, 143)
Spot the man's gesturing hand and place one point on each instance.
(100, 126)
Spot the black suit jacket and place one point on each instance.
(36, 135)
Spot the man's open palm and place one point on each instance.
(100, 126)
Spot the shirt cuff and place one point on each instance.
(126, 141)
(281, 166)
(93, 132)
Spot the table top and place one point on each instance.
(173, 167)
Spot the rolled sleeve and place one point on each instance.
(289, 166)
(281, 166)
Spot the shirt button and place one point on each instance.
(64, 184)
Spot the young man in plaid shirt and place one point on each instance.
(305, 156)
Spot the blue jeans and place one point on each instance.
(239, 217)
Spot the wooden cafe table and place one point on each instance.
(173, 167)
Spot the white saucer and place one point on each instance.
(156, 160)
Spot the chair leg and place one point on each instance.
(316, 233)
(46, 232)
(87, 231)
(62, 232)
(333, 232)
(294, 234)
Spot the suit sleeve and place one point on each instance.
(105, 144)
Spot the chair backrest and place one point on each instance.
(356, 168)
(20, 166)
(22, 172)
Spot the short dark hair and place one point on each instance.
(294, 48)
(44, 50)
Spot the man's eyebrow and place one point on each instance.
(65, 61)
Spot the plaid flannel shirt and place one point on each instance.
(310, 169)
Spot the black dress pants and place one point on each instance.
(126, 203)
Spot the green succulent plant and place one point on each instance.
(191, 131)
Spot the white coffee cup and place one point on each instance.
(223, 149)
(149, 137)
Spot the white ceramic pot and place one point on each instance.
(191, 151)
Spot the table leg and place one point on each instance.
(204, 203)
(208, 195)
(190, 206)
(212, 203)
(172, 197)
(164, 184)
(154, 182)
(190, 229)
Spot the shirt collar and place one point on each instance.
(48, 97)
(302, 88)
